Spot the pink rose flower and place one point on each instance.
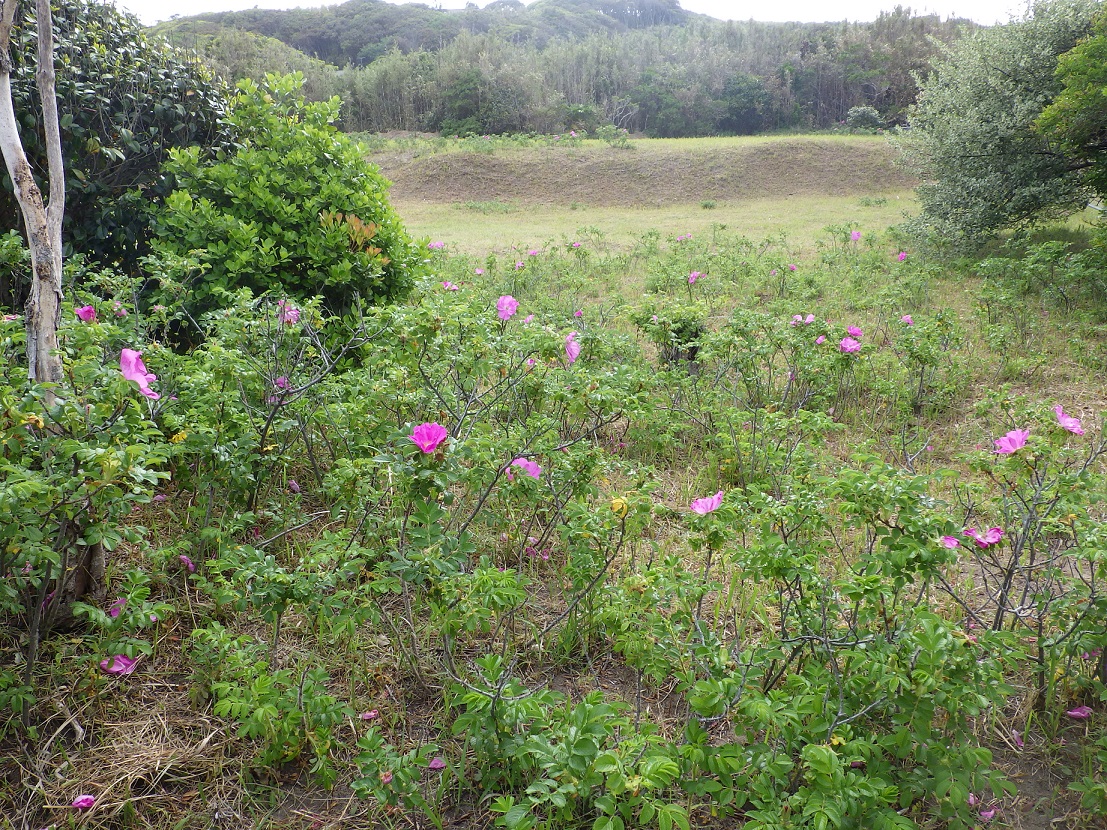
(1012, 442)
(428, 436)
(506, 307)
(133, 369)
(708, 505)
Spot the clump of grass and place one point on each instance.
(486, 208)
(708, 204)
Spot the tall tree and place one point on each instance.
(43, 221)
(972, 140)
(1077, 118)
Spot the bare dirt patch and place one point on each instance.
(649, 176)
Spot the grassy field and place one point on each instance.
(760, 187)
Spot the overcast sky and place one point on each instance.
(982, 11)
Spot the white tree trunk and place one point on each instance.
(43, 221)
(82, 569)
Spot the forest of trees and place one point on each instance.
(642, 65)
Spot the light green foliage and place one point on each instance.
(235, 54)
(15, 269)
(1077, 118)
(287, 712)
(864, 118)
(294, 209)
(971, 140)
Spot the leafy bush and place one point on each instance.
(294, 208)
(864, 118)
(70, 473)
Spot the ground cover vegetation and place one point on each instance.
(702, 530)
(559, 65)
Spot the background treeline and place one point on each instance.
(642, 65)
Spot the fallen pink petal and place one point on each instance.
(118, 664)
(84, 802)
(188, 563)
(437, 763)
(1080, 712)
(372, 714)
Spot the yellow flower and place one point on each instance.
(33, 420)
(180, 436)
(619, 507)
(837, 740)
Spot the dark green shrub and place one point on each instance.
(124, 101)
(295, 208)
